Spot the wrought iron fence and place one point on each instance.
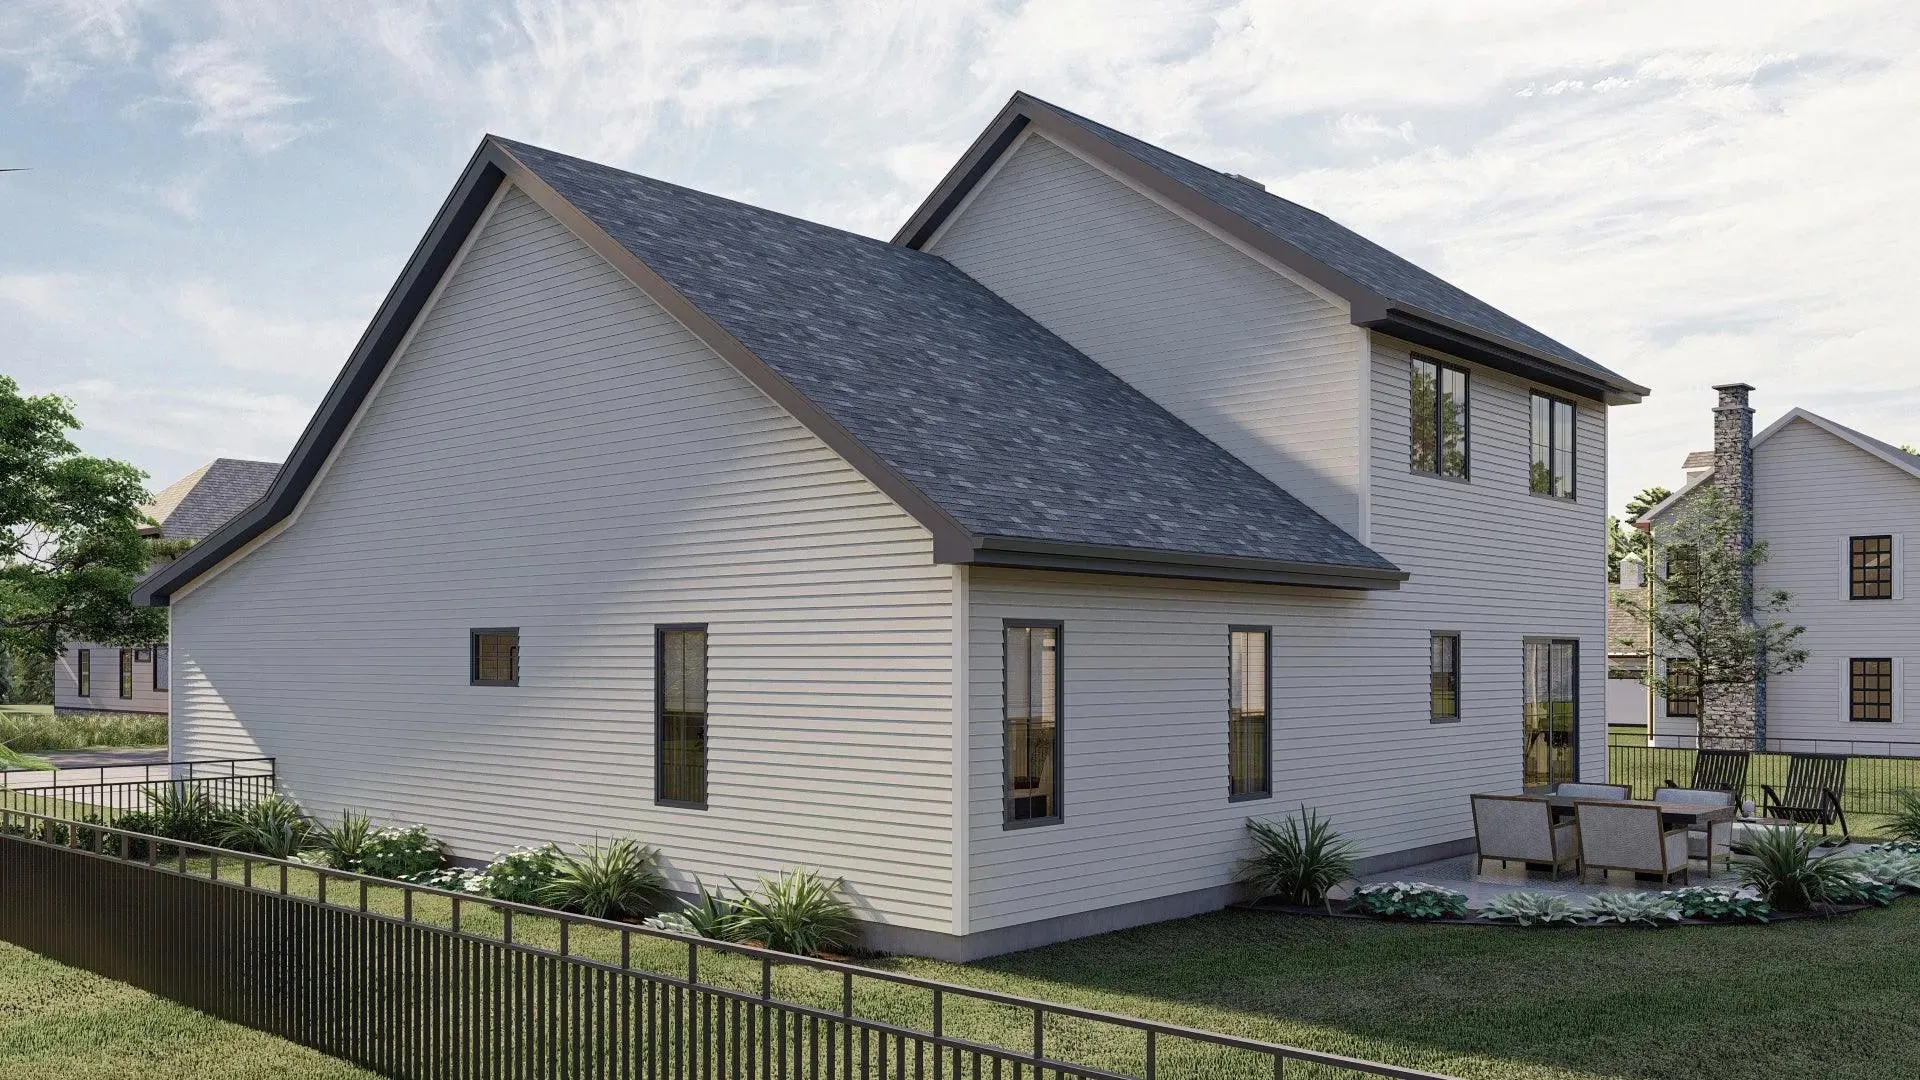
(104, 792)
(1878, 771)
(411, 981)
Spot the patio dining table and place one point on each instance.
(1672, 814)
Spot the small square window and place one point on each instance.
(1870, 690)
(1870, 568)
(496, 656)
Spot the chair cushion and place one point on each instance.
(1693, 796)
(1593, 791)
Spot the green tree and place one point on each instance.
(1623, 541)
(70, 543)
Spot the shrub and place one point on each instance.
(1297, 860)
(620, 879)
(274, 827)
(1720, 903)
(1888, 866)
(182, 811)
(340, 846)
(518, 876)
(1630, 909)
(1529, 909)
(713, 915)
(1410, 900)
(1905, 822)
(451, 879)
(798, 912)
(400, 853)
(1783, 865)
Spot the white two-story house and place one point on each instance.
(1003, 570)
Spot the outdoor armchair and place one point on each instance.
(1630, 836)
(1704, 842)
(1520, 828)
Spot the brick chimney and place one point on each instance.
(1734, 716)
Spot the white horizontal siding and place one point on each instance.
(553, 452)
(105, 696)
(1254, 361)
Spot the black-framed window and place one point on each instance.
(495, 656)
(680, 715)
(1438, 418)
(1683, 688)
(1870, 568)
(1443, 676)
(161, 676)
(1870, 690)
(1034, 684)
(1553, 447)
(126, 673)
(83, 672)
(1249, 712)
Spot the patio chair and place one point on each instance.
(1520, 828)
(1704, 842)
(1812, 796)
(1719, 770)
(1594, 791)
(1630, 836)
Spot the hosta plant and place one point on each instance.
(1859, 889)
(1410, 900)
(1297, 860)
(1785, 865)
(1530, 909)
(799, 912)
(1721, 904)
(274, 827)
(615, 880)
(713, 915)
(1889, 866)
(1630, 909)
(518, 875)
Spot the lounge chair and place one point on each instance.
(1630, 836)
(1812, 795)
(1719, 770)
(1520, 828)
(1704, 842)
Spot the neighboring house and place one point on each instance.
(1628, 649)
(90, 677)
(1834, 507)
(1004, 570)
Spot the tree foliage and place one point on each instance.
(1702, 614)
(70, 544)
(1623, 541)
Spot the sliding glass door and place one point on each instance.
(1550, 712)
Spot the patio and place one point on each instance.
(1458, 874)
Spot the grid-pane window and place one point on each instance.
(1032, 724)
(161, 658)
(83, 673)
(495, 656)
(1443, 678)
(681, 675)
(1249, 726)
(126, 673)
(1553, 447)
(1870, 567)
(1438, 419)
(1870, 690)
(1683, 688)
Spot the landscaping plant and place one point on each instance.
(449, 878)
(798, 912)
(340, 846)
(713, 915)
(1721, 904)
(1530, 909)
(518, 876)
(1889, 866)
(1630, 909)
(400, 853)
(620, 879)
(1904, 824)
(1410, 900)
(274, 827)
(182, 811)
(1297, 860)
(1785, 866)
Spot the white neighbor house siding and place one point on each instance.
(553, 452)
(105, 682)
(1812, 492)
(1257, 363)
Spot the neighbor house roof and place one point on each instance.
(1885, 451)
(1699, 459)
(1624, 624)
(195, 505)
(1385, 291)
(1010, 446)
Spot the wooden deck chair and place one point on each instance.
(1719, 770)
(1812, 796)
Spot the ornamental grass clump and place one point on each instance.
(1784, 865)
(1630, 909)
(183, 811)
(340, 845)
(798, 912)
(1298, 860)
(274, 827)
(1530, 909)
(1904, 824)
(713, 914)
(1410, 900)
(616, 880)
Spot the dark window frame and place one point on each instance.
(1692, 701)
(1265, 790)
(83, 673)
(162, 676)
(660, 633)
(1434, 716)
(1855, 703)
(125, 686)
(1553, 477)
(1438, 449)
(1878, 581)
(1057, 804)
(473, 655)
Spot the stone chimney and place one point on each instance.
(1734, 716)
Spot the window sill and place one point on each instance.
(1443, 719)
(1254, 796)
(1567, 499)
(493, 682)
(680, 804)
(1029, 823)
(1466, 480)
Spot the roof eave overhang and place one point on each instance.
(1425, 328)
(1021, 554)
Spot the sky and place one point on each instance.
(218, 195)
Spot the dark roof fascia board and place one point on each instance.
(1367, 308)
(1137, 562)
(392, 321)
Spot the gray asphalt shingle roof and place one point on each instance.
(192, 507)
(1004, 426)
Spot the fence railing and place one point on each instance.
(104, 792)
(1878, 771)
(411, 981)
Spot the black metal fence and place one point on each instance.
(1877, 771)
(417, 982)
(104, 792)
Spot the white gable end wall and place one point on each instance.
(552, 451)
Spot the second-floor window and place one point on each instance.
(1870, 690)
(1683, 688)
(1439, 419)
(1552, 469)
(1870, 568)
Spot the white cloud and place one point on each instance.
(189, 423)
(231, 95)
(55, 42)
(247, 338)
(49, 297)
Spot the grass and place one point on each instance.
(60, 1023)
(29, 730)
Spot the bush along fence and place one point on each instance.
(104, 793)
(413, 981)
(1878, 773)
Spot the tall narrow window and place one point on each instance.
(1249, 721)
(1870, 568)
(1443, 678)
(680, 715)
(83, 673)
(1683, 688)
(1870, 691)
(494, 656)
(1553, 449)
(1032, 727)
(126, 673)
(161, 657)
(1439, 418)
